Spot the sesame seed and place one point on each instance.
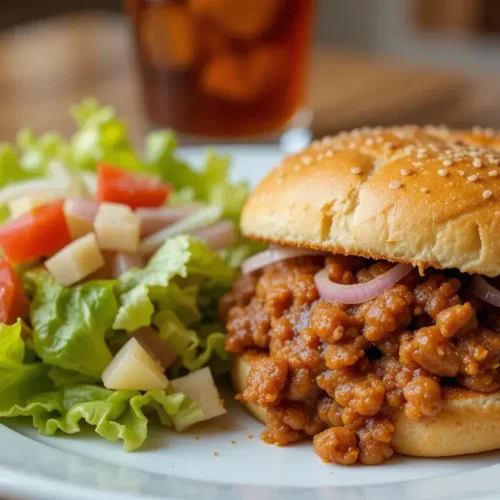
(405, 172)
(351, 145)
(477, 163)
(319, 157)
(369, 141)
(476, 130)
(297, 168)
(329, 153)
(356, 170)
(447, 163)
(461, 172)
(421, 156)
(418, 164)
(487, 193)
(442, 172)
(494, 161)
(379, 140)
(394, 185)
(472, 178)
(306, 160)
(424, 190)
(493, 173)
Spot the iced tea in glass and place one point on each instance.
(224, 69)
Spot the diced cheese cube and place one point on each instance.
(201, 387)
(76, 261)
(26, 203)
(117, 227)
(80, 215)
(134, 369)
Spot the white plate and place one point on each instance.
(221, 460)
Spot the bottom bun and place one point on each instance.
(469, 422)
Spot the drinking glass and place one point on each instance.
(225, 70)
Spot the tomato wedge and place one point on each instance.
(13, 301)
(119, 186)
(41, 232)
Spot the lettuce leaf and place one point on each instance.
(211, 184)
(195, 349)
(114, 414)
(10, 166)
(182, 258)
(61, 376)
(135, 310)
(20, 380)
(69, 324)
(181, 301)
(102, 137)
(38, 152)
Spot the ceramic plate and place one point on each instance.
(224, 459)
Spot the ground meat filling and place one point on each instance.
(336, 372)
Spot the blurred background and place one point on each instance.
(372, 62)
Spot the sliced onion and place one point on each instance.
(154, 219)
(219, 236)
(273, 255)
(485, 291)
(205, 217)
(36, 186)
(156, 347)
(123, 261)
(361, 292)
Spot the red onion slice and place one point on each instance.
(219, 236)
(154, 219)
(485, 291)
(361, 292)
(122, 262)
(273, 255)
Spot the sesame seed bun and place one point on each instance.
(428, 196)
(469, 422)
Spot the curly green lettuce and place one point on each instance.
(69, 324)
(113, 414)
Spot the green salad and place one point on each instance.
(112, 266)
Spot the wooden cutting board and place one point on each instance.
(351, 90)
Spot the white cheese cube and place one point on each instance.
(19, 206)
(201, 387)
(76, 261)
(134, 369)
(80, 216)
(117, 227)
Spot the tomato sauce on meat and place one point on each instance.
(337, 372)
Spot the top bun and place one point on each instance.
(426, 196)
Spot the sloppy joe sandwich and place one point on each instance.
(371, 324)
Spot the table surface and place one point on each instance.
(45, 67)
